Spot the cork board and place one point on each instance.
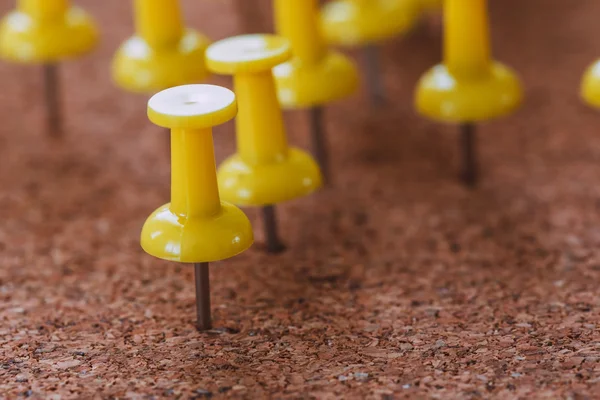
(398, 282)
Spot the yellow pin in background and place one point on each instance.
(196, 226)
(365, 23)
(162, 53)
(590, 85)
(469, 86)
(265, 171)
(46, 32)
(316, 75)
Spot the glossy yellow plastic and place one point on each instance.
(360, 22)
(196, 226)
(316, 75)
(468, 86)
(46, 31)
(590, 85)
(162, 53)
(264, 171)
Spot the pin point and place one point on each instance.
(590, 85)
(469, 87)
(365, 23)
(316, 75)
(265, 171)
(47, 32)
(196, 227)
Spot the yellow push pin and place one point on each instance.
(46, 32)
(316, 75)
(469, 86)
(162, 53)
(265, 171)
(366, 22)
(590, 85)
(196, 226)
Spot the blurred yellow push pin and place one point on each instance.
(265, 171)
(315, 76)
(196, 226)
(590, 86)
(162, 53)
(46, 32)
(469, 86)
(367, 22)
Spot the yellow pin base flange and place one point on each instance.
(263, 184)
(196, 226)
(351, 23)
(444, 97)
(25, 39)
(137, 67)
(590, 85)
(299, 86)
(168, 236)
(265, 170)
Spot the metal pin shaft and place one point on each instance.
(469, 155)
(373, 71)
(52, 98)
(274, 245)
(201, 274)
(319, 142)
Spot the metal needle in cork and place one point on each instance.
(265, 171)
(366, 23)
(52, 97)
(54, 30)
(481, 89)
(196, 227)
(316, 76)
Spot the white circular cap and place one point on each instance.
(192, 106)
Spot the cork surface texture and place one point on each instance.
(398, 282)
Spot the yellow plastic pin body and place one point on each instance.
(46, 31)
(590, 85)
(468, 86)
(265, 170)
(162, 53)
(196, 226)
(361, 22)
(316, 75)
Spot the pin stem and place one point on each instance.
(202, 297)
(51, 93)
(373, 71)
(319, 142)
(274, 245)
(468, 143)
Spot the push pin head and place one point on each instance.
(162, 53)
(316, 75)
(196, 226)
(590, 86)
(265, 170)
(468, 86)
(46, 31)
(360, 22)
